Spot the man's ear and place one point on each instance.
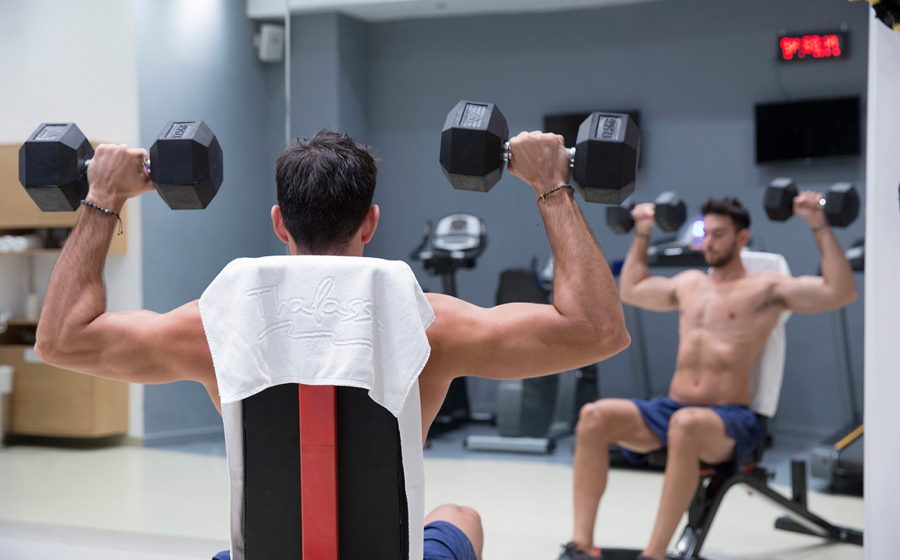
(278, 225)
(743, 237)
(370, 224)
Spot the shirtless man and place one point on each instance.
(325, 190)
(726, 316)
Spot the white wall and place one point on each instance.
(882, 508)
(73, 61)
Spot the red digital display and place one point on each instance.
(811, 46)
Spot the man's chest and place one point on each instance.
(739, 305)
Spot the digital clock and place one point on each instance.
(812, 46)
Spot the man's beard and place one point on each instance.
(722, 259)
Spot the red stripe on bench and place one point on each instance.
(318, 472)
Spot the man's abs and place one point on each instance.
(709, 388)
(712, 369)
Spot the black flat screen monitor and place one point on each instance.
(802, 130)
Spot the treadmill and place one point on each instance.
(838, 460)
(455, 242)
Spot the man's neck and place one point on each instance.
(731, 271)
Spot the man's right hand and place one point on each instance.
(116, 174)
(540, 159)
(644, 216)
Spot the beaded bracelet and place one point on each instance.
(106, 211)
(544, 195)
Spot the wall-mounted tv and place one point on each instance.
(808, 129)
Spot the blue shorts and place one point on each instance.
(443, 541)
(741, 424)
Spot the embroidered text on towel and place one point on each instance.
(282, 314)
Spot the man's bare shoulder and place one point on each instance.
(690, 278)
(454, 320)
(765, 281)
(183, 337)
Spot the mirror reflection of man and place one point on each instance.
(725, 317)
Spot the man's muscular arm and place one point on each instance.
(584, 324)
(656, 293)
(835, 287)
(76, 332)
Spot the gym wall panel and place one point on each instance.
(196, 61)
(883, 261)
(68, 61)
(329, 75)
(694, 68)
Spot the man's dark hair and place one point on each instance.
(325, 188)
(728, 206)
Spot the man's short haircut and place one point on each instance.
(728, 206)
(325, 189)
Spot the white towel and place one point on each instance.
(768, 372)
(317, 320)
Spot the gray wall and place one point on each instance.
(693, 68)
(329, 80)
(196, 61)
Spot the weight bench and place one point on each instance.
(766, 389)
(316, 472)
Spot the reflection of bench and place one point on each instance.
(285, 504)
(799, 519)
(766, 389)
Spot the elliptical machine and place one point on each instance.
(455, 242)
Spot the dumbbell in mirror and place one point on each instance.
(475, 146)
(185, 164)
(840, 203)
(670, 213)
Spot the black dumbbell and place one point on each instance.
(840, 203)
(474, 147)
(186, 165)
(670, 214)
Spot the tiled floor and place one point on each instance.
(141, 504)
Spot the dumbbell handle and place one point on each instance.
(507, 154)
(87, 163)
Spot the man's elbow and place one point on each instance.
(44, 349)
(49, 349)
(849, 297)
(611, 340)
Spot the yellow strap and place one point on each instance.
(849, 438)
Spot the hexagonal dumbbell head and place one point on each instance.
(606, 155)
(186, 165)
(472, 145)
(779, 199)
(52, 166)
(841, 204)
(670, 211)
(619, 218)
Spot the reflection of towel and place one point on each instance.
(351, 321)
(765, 381)
(346, 321)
